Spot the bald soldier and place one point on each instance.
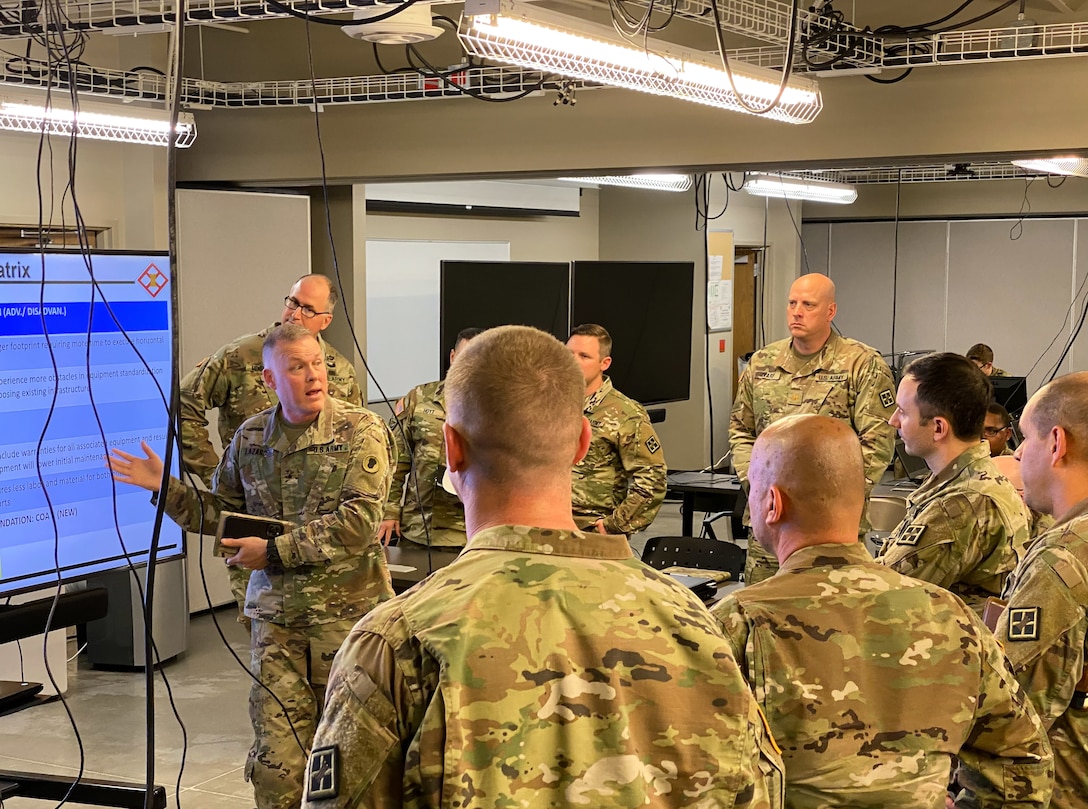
(814, 371)
(872, 681)
(232, 380)
(964, 524)
(1045, 626)
(545, 667)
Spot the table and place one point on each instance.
(422, 562)
(705, 491)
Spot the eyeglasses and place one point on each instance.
(293, 303)
(993, 432)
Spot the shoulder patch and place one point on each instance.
(399, 407)
(371, 463)
(1024, 623)
(652, 444)
(323, 775)
(911, 535)
(887, 398)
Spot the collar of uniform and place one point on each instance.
(319, 432)
(550, 542)
(598, 395)
(960, 464)
(824, 358)
(1079, 510)
(828, 554)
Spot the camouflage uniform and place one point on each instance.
(846, 380)
(873, 682)
(543, 668)
(622, 479)
(1044, 630)
(995, 371)
(230, 380)
(331, 483)
(963, 529)
(420, 463)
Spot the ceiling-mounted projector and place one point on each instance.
(406, 28)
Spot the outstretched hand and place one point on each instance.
(143, 472)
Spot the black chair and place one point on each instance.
(705, 554)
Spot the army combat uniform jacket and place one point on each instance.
(1044, 630)
(622, 479)
(964, 530)
(230, 379)
(331, 485)
(420, 462)
(543, 668)
(872, 682)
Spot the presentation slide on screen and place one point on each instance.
(83, 367)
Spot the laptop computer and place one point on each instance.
(914, 467)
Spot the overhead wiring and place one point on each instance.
(787, 68)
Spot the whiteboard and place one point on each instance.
(402, 308)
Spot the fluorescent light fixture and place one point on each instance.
(539, 39)
(95, 120)
(1071, 164)
(652, 182)
(782, 185)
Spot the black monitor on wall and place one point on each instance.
(647, 308)
(499, 293)
(1011, 392)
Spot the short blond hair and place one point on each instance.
(515, 395)
(1064, 403)
(281, 335)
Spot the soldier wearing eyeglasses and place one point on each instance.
(231, 380)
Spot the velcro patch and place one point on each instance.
(887, 398)
(323, 776)
(911, 535)
(766, 374)
(1024, 623)
(652, 444)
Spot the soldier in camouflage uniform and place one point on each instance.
(419, 509)
(872, 682)
(230, 380)
(815, 371)
(1038, 523)
(545, 667)
(997, 430)
(1044, 628)
(983, 357)
(619, 486)
(323, 466)
(965, 524)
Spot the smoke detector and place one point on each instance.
(406, 28)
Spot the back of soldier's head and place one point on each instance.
(1064, 403)
(515, 395)
(817, 463)
(981, 352)
(952, 387)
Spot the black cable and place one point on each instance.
(1065, 319)
(895, 257)
(1069, 344)
(436, 73)
(706, 348)
(1017, 230)
(305, 15)
(787, 69)
(763, 277)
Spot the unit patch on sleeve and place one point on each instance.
(887, 398)
(323, 778)
(652, 444)
(911, 534)
(1024, 623)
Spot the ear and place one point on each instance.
(328, 320)
(831, 310)
(606, 363)
(269, 380)
(1058, 445)
(585, 437)
(941, 428)
(452, 352)
(455, 448)
(775, 503)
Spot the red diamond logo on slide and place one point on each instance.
(153, 280)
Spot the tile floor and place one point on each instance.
(210, 691)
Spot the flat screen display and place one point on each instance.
(646, 306)
(1011, 392)
(83, 366)
(501, 293)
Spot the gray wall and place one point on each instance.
(995, 281)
